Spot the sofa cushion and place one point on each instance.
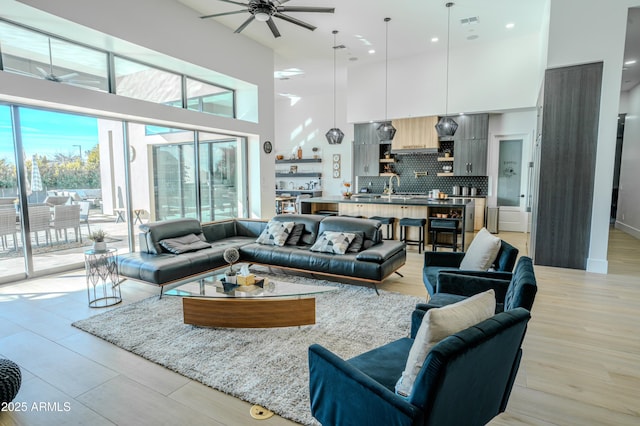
(369, 228)
(184, 244)
(333, 242)
(154, 232)
(481, 252)
(311, 223)
(276, 233)
(439, 323)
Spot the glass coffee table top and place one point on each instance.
(215, 287)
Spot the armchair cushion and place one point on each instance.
(481, 252)
(438, 324)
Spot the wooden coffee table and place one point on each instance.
(207, 302)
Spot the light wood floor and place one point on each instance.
(581, 363)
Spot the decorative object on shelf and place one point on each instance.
(447, 168)
(279, 157)
(447, 153)
(386, 131)
(231, 256)
(387, 154)
(447, 126)
(299, 153)
(267, 147)
(336, 166)
(315, 150)
(293, 169)
(265, 10)
(99, 244)
(334, 135)
(347, 190)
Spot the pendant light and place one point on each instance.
(385, 130)
(334, 136)
(446, 125)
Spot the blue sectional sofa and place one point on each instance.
(156, 265)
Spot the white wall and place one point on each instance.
(628, 216)
(170, 28)
(488, 77)
(583, 31)
(305, 122)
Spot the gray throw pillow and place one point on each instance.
(295, 234)
(356, 244)
(184, 244)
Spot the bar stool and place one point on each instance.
(420, 223)
(439, 226)
(389, 221)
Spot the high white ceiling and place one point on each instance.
(361, 27)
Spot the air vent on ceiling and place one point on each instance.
(469, 21)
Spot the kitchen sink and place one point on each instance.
(366, 196)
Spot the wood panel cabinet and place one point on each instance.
(366, 160)
(415, 133)
(472, 126)
(470, 157)
(478, 218)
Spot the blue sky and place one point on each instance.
(48, 133)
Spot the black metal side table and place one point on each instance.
(103, 280)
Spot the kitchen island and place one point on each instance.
(398, 206)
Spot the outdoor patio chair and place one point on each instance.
(66, 217)
(39, 220)
(84, 214)
(8, 226)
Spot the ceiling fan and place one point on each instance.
(265, 10)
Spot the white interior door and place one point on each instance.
(512, 185)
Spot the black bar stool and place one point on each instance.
(420, 223)
(389, 221)
(444, 226)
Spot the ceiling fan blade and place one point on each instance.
(67, 76)
(42, 71)
(222, 14)
(294, 21)
(244, 25)
(273, 28)
(306, 9)
(235, 2)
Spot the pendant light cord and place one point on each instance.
(334, 77)
(446, 98)
(386, 69)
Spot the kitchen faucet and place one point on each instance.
(391, 184)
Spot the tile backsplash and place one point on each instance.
(406, 165)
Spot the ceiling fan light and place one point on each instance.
(262, 16)
(386, 131)
(446, 126)
(334, 136)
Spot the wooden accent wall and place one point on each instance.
(567, 165)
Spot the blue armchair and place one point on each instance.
(513, 290)
(465, 380)
(437, 261)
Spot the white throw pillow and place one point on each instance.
(439, 323)
(481, 252)
(275, 233)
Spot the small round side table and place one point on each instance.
(103, 280)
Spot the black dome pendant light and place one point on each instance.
(446, 125)
(385, 130)
(334, 136)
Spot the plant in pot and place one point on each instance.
(99, 244)
(231, 256)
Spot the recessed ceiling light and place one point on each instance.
(289, 72)
(434, 39)
(510, 25)
(372, 51)
(630, 62)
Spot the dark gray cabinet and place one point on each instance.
(472, 126)
(470, 157)
(366, 150)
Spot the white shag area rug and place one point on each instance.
(268, 367)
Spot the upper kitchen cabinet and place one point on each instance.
(472, 126)
(415, 134)
(366, 150)
(470, 157)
